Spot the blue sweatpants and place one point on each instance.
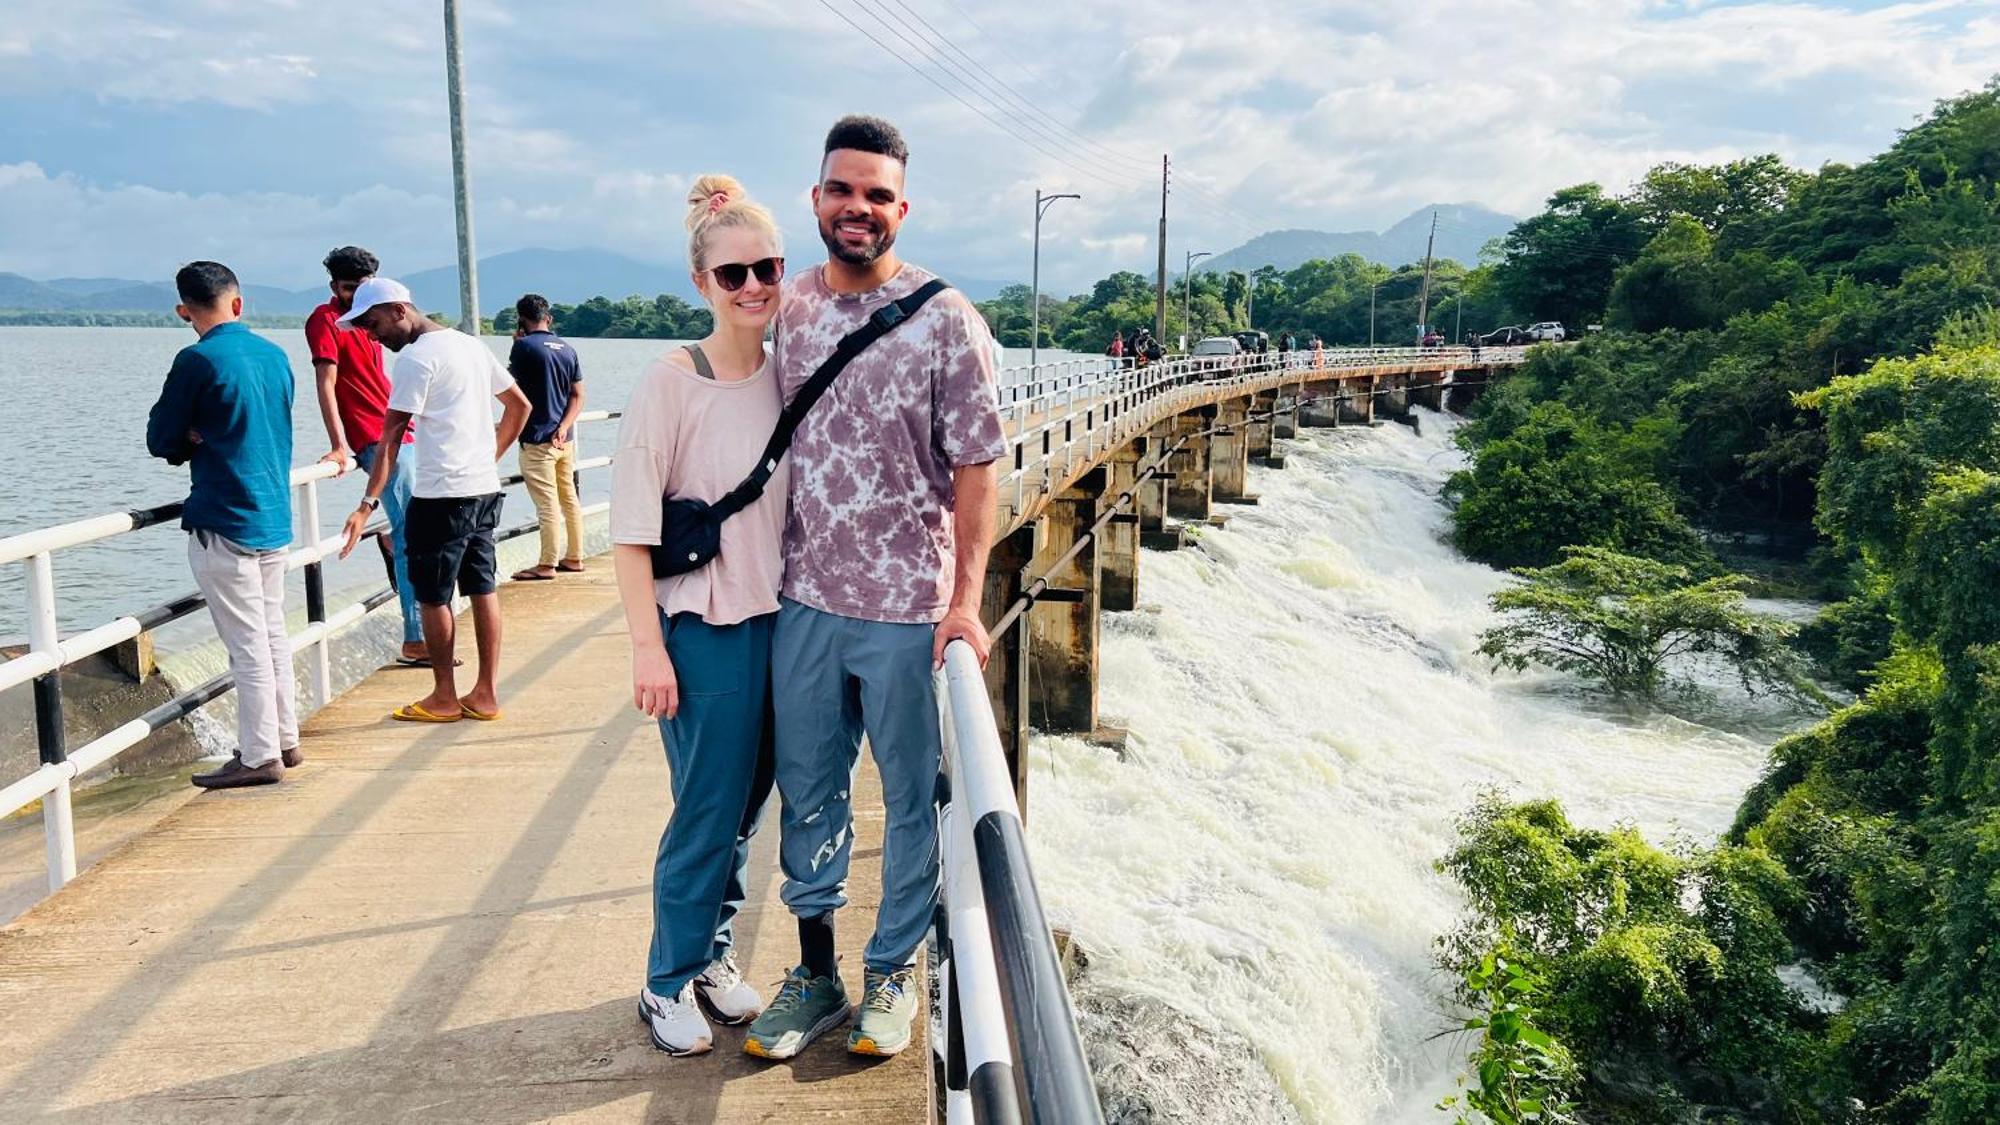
(719, 758)
(395, 506)
(833, 679)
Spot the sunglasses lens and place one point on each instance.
(768, 270)
(732, 276)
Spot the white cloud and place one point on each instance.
(1329, 114)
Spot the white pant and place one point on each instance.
(246, 597)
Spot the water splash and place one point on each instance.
(1308, 713)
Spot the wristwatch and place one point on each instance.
(371, 502)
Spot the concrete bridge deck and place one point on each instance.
(425, 923)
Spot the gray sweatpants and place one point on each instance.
(245, 590)
(832, 679)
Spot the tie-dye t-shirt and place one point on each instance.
(870, 531)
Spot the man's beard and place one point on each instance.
(864, 256)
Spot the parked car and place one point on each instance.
(1509, 336)
(1547, 331)
(1218, 355)
(1254, 341)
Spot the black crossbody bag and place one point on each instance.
(690, 529)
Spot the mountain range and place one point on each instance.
(570, 276)
(1462, 228)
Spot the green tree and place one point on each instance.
(1559, 265)
(1625, 623)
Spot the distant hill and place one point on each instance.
(1462, 229)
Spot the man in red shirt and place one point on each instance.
(353, 399)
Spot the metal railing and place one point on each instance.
(1067, 414)
(1006, 1040)
(49, 653)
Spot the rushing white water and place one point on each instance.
(1308, 714)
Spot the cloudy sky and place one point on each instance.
(135, 136)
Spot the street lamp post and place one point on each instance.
(468, 258)
(1187, 296)
(1042, 204)
(1371, 312)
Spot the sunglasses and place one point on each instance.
(732, 276)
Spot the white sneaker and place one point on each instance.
(722, 990)
(675, 1024)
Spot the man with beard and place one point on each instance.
(353, 398)
(449, 380)
(892, 495)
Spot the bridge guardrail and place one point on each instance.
(49, 653)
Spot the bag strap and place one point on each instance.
(700, 359)
(878, 325)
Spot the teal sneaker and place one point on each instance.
(804, 1009)
(888, 1009)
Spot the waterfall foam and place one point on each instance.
(1308, 713)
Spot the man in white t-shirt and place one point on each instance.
(449, 380)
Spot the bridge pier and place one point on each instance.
(1395, 394)
(1062, 624)
(1190, 490)
(1286, 424)
(1428, 392)
(1264, 431)
(1317, 409)
(1229, 452)
(1118, 543)
(1007, 571)
(1357, 401)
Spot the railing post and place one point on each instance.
(316, 599)
(58, 820)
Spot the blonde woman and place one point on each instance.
(701, 641)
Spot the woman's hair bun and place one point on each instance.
(710, 194)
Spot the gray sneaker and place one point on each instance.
(804, 1009)
(888, 1009)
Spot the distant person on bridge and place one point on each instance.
(226, 413)
(892, 494)
(353, 397)
(1117, 349)
(445, 381)
(551, 375)
(701, 640)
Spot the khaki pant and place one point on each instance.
(550, 475)
(245, 590)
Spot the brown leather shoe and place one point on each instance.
(292, 758)
(233, 774)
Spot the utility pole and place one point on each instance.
(1424, 299)
(1371, 312)
(1160, 289)
(1187, 296)
(468, 262)
(1042, 204)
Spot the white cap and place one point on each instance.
(377, 291)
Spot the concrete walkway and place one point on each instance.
(425, 923)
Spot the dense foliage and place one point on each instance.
(1634, 625)
(665, 317)
(1328, 299)
(1784, 347)
(1728, 293)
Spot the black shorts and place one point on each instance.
(448, 542)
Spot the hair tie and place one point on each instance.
(717, 201)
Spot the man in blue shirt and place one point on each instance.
(551, 376)
(226, 413)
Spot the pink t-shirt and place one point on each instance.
(687, 436)
(870, 534)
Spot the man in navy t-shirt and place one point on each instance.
(550, 375)
(226, 412)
